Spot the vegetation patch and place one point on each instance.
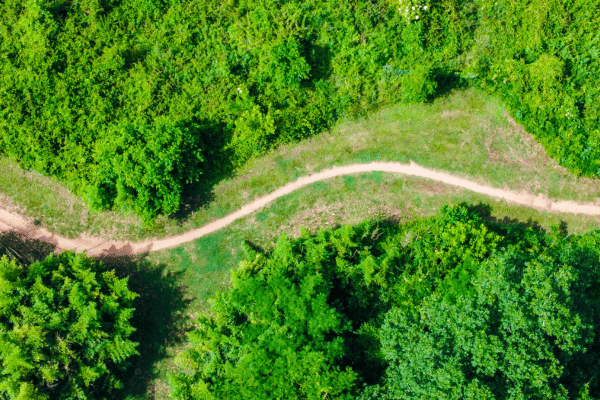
(64, 328)
(445, 307)
(128, 103)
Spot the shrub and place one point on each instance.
(252, 135)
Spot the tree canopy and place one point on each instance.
(64, 328)
(447, 307)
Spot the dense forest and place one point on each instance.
(129, 101)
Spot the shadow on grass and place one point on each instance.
(446, 81)
(159, 318)
(485, 211)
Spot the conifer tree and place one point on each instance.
(64, 328)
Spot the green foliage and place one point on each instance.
(284, 330)
(418, 85)
(144, 167)
(64, 328)
(192, 86)
(444, 307)
(442, 251)
(544, 61)
(126, 101)
(527, 328)
(252, 134)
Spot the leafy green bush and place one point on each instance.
(252, 134)
(144, 168)
(64, 328)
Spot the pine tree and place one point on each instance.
(64, 328)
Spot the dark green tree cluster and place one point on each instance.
(64, 329)
(449, 307)
(129, 101)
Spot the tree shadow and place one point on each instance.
(159, 318)
(22, 249)
(484, 210)
(319, 58)
(217, 167)
(255, 247)
(447, 81)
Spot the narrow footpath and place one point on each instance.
(98, 246)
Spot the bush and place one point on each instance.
(64, 328)
(144, 168)
(252, 135)
(543, 61)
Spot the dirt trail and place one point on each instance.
(96, 246)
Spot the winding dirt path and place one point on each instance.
(96, 246)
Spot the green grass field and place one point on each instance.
(466, 133)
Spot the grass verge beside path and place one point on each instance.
(467, 134)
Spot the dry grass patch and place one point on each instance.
(535, 153)
(430, 187)
(6, 203)
(451, 114)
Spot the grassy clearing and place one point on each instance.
(467, 134)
